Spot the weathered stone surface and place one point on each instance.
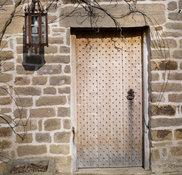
(20, 70)
(43, 137)
(64, 90)
(166, 122)
(50, 69)
(67, 69)
(67, 124)
(62, 137)
(59, 149)
(5, 132)
(51, 100)
(39, 80)
(51, 49)
(40, 125)
(164, 43)
(50, 90)
(177, 54)
(172, 5)
(3, 90)
(19, 40)
(25, 138)
(158, 135)
(175, 98)
(164, 65)
(42, 112)
(172, 25)
(178, 133)
(175, 76)
(64, 49)
(154, 76)
(31, 150)
(160, 54)
(171, 34)
(34, 91)
(22, 81)
(52, 124)
(6, 55)
(4, 77)
(5, 100)
(56, 30)
(180, 4)
(24, 101)
(168, 110)
(5, 144)
(57, 59)
(169, 87)
(180, 42)
(20, 113)
(64, 112)
(176, 150)
(175, 16)
(26, 125)
(8, 66)
(157, 98)
(19, 49)
(60, 80)
(155, 155)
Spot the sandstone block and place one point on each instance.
(57, 59)
(64, 90)
(25, 138)
(8, 66)
(5, 144)
(51, 49)
(164, 65)
(19, 40)
(178, 133)
(43, 137)
(158, 135)
(67, 124)
(50, 90)
(67, 69)
(172, 6)
(40, 125)
(20, 113)
(20, 70)
(177, 54)
(5, 110)
(34, 91)
(5, 100)
(175, 26)
(168, 110)
(64, 49)
(175, 16)
(4, 77)
(154, 76)
(50, 69)
(180, 4)
(24, 102)
(176, 150)
(56, 40)
(155, 155)
(165, 43)
(64, 112)
(51, 100)
(6, 55)
(165, 122)
(56, 30)
(3, 90)
(52, 124)
(157, 98)
(31, 150)
(42, 112)
(169, 87)
(180, 42)
(172, 34)
(175, 76)
(59, 149)
(26, 125)
(39, 80)
(60, 80)
(62, 137)
(5, 132)
(175, 98)
(22, 81)
(19, 49)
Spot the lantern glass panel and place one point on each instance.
(43, 32)
(27, 30)
(35, 29)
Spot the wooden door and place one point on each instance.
(109, 126)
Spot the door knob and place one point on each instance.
(131, 94)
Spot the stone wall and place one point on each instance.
(42, 98)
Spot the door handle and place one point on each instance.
(131, 94)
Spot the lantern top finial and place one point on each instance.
(35, 7)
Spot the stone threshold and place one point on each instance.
(113, 171)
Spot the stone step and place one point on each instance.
(113, 171)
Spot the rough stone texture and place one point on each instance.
(172, 6)
(177, 54)
(39, 80)
(50, 69)
(62, 137)
(64, 90)
(24, 102)
(60, 80)
(178, 133)
(33, 91)
(42, 112)
(67, 123)
(50, 90)
(67, 69)
(174, 76)
(59, 149)
(176, 151)
(5, 144)
(4, 77)
(31, 150)
(175, 16)
(5, 100)
(166, 87)
(6, 55)
(168, 110)
(43, 137)
(58, 59)
(158, 135)
(64, 112)
(25, 138)
(51, 100)
(52, 124)
(22, 81)
(5, 131)
(155, 155)
(20, 113)
(175, 98)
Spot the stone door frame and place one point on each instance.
(146, 58)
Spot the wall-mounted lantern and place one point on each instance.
(36, 27)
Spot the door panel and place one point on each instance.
(109, 125)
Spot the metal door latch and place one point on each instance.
(131, 94)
